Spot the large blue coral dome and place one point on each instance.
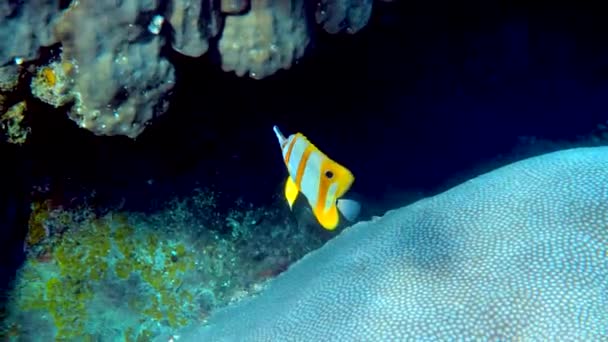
(518, 253)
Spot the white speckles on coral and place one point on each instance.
(234, 6)
(118, 71)
(259, 36)
(116, 46)
(348, 15)
(53, 83)
(520, 253)
(193, 22)
(269, 37)
(24, 27)
(9, 77)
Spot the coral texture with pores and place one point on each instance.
(520, 253)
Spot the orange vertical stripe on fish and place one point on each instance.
(322, 180)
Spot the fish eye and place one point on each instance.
(329, 174)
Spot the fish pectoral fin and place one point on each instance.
(291, 191)
(349, 208)
(328, 219)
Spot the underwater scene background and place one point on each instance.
(142, 195)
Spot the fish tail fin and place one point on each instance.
(349, 208)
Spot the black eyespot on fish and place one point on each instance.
(329, 174)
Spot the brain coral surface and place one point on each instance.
(518, 253)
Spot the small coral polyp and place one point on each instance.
(11, 122)
(53, 83)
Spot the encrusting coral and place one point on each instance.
(158, 272)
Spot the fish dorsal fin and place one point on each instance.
(328, 219)
(291, 191)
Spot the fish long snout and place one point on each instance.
(278, 133)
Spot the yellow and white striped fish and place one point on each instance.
(322, 181)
